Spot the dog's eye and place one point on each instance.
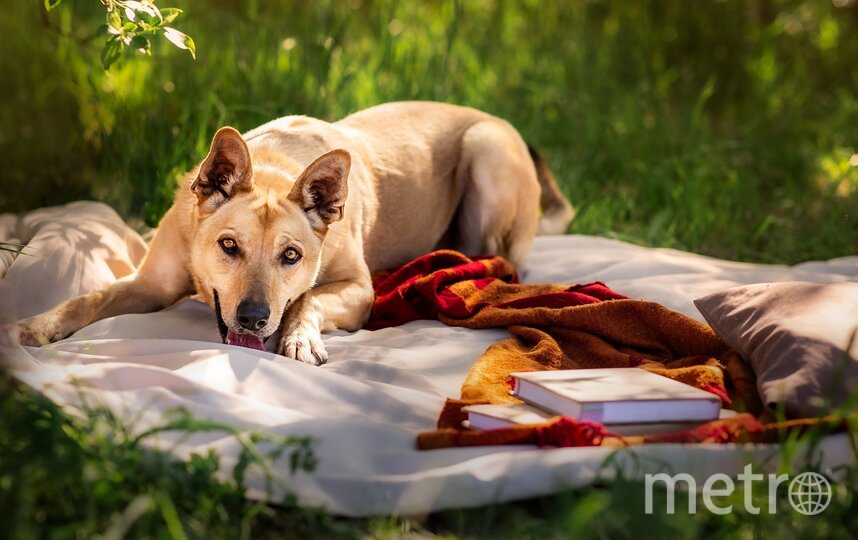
(291, 256)
(228, 246)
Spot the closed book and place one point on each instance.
(501, 416)
(485, 417)
(616, 396)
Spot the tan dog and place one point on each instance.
(262, 230)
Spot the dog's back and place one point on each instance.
(452, 176)
(427, 175)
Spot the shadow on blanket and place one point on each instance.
(565, 327)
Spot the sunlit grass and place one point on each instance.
(665, 129)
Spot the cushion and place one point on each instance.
(796, 335)
(72, 249)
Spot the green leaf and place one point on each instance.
(170, 14)
(111, 52)
(141, 43)
(143, 7)
(114, 20)
(170, 515)
(145, 28)
(152, 10)
(192, 47)
(51, 4)
(180, 40)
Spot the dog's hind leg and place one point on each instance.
(499, 211)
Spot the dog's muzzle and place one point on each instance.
(241, 339)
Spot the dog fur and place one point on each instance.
(281, 228)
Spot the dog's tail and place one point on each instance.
(557, 211)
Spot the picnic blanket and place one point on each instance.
(379, 390)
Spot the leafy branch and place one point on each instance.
(131, 24)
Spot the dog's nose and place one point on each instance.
(252, 315)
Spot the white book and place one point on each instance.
(503, 416)
(616, 396)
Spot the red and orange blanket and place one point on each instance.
(567, 327)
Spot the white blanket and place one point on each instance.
(379, 389)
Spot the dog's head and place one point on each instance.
(257, 247)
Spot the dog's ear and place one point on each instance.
(322, 188)
(225, 171)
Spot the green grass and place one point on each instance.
(70, 477)
(726, 128)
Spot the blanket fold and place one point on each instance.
(555, 327)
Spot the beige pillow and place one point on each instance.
(76, 248)
(795, 335)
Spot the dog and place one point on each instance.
(281, 228)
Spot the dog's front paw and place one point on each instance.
(26, 336)
(305, 344)
(34, 332)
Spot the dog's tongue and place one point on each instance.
(244, 340)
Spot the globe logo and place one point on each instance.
(809, 493)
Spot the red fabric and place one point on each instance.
(564, 432)
(560, 432)
(423, 289)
